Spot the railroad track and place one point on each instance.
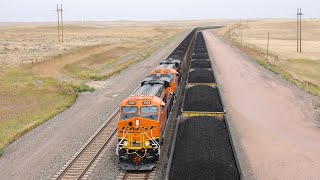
(83, 162)
(134, 175)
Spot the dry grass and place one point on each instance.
(116, 58)
(301, 69)
(32, 94)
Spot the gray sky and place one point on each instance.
(43, 10)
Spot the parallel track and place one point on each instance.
(79, 167)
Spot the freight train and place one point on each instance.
(144, 114)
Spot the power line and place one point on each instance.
(299, 29)
(61, 10)
(58, 23)
(59, 13)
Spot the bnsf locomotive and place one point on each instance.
(143, 117)
(144, 114)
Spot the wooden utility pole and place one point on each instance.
(61, 23)
(59, 13)
(300, 29)
(297, 29)
(58, 23)
(268, 47)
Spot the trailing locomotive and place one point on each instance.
(143, 115)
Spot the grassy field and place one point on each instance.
(302, 69)
(32, 94)
(28, 101)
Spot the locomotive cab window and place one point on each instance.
(129, 109)
(149, 112)
(149, 109)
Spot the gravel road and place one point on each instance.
(274, 125)
(43, 151)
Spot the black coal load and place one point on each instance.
(200, 56)
(201, 63)
(202, 98)
(201, 76)
(175, 57)
(180, 51)
(203, 151)
(200, 50)
(200, 47)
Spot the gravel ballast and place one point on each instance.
(203, 151)
(202, 98)
(201, 76)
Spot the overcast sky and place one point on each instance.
(74, 10)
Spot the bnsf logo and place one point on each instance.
(146, 128)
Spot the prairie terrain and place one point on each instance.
(33, 93)
(301, 69)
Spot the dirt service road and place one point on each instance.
(273, 123)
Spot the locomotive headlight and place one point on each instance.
(125, 143)
(147, 143)
(137, 122)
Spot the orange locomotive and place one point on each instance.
(168, 71)
(142, 120)
(176, 62)
(143, 117)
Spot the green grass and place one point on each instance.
(84, 88)
(28, 101)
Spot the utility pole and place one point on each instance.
(59, 13)
(297, 29)
(61, 23)
(299, 26)
(58, 23)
